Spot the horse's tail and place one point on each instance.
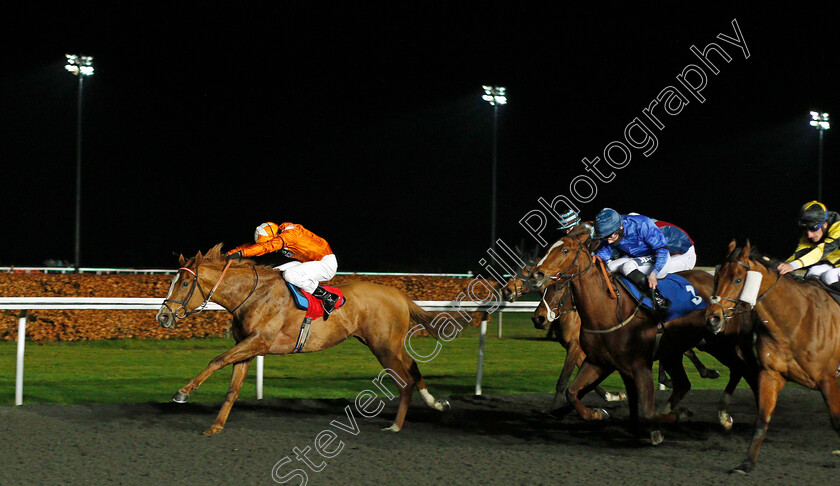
(425, 318)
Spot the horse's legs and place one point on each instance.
(632, 398)
(395, 359)
(674, 367)
(240, 369)
(831, 395)
(701, 368)
(643, 377)
(248, 348)
(588, 377)
(663, 378)
(574, 356)
(725, 419)
(439, 405)
(770, 383)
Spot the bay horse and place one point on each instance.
(266, 321)
(618, 335)
(797, 334)
(561, 320)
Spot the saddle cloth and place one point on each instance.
(313, 306)
(677, 289)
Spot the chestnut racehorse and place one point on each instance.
(562, 321)
(265, 321)
(798, 338)
(618, 335)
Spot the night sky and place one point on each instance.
(366, 125)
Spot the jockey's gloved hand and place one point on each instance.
(235, 255)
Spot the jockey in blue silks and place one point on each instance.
(645, 253)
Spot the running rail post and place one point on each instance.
(480, 372)
(260, 364)
(21, 342)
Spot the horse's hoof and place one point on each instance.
(215, 429)
(743, 468)
(726, 420)
(602, 414)
(622, 397)
(443, 405)
(180, 397)
(615, 397)
(392, 428)
(710, 374)
(683, 413)
(656, 437)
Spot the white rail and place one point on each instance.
(154, 303)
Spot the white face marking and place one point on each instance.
(172, 285)
(555, 245)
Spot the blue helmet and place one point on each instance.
(569, 220)
(607, 222)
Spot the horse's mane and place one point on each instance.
(757, 256)
(579, 230)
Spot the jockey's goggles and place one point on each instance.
(811, 227)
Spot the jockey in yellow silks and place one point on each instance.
(315, 260)
(819, 246)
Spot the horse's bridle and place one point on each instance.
(206, 296)
(561, 274)
(550, 313)
(729, 313)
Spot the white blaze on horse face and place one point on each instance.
(172, 285)
(555, 245)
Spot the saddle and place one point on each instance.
(314, 308)
(677, 289)
(312, 305)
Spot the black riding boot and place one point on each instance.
(835, 287)
(328, 298)
(660, 303)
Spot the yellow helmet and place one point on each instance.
(266, 231)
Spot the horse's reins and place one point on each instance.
(569, 276)
(205, 296)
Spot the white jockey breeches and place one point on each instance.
(675, 263)
(827, 273)
(308, 275)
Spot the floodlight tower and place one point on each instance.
(821, 123)
(495, 95)
(81, 67)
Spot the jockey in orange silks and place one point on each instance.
(316, 261)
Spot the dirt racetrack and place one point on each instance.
(483, 440)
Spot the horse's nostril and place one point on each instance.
(506, 291)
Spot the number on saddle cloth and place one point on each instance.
(677, 289)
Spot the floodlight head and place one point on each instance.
(820, 120)
(79, 65)
(495, 95)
